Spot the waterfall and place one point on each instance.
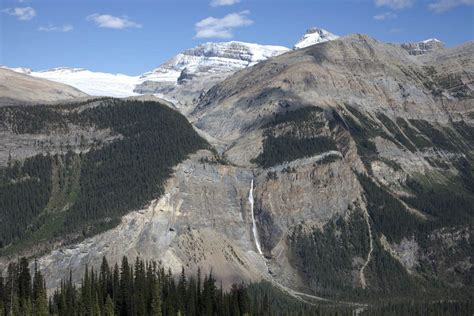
(254, 226)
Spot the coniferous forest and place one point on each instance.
(148, 288)
(58, 195)
(139, 288)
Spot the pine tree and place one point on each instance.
(40, 299)
(126, 288)
(140, 288)
(116, 286)
(24, 280)
(86, 295)
(199, 306)
(26, 306)
(156, 300)
(209, 295)
(182, 283)
(2, 295)
(96, 305)
(191, 302)
(109, 308)
(69, 296)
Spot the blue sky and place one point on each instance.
(132, 37)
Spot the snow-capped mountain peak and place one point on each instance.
(314, 36)
(423, 47)
(213, 58)
(429, 40)
(209, 63)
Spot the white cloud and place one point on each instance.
(23, 14)
(395, 4)
(445, 5)
(222, 27)
(112, 22)
(385, 16)
(218, 3)
(54, 28)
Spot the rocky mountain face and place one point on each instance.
(17, 87)
(423, 47)
(181, 79)
(403, 128)
(187, 75)
(314, 36)
(342, 170)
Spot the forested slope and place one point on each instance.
(86, 188)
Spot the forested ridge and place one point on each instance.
(301, 137)
(98, 186)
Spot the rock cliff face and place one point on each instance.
(202, 220)
(361, 160)
(394, 117)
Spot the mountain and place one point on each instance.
(187, 75)
(360, 146)
(17, 87)
(181, 79)
(314, 36)
(92, 83)
(339, 172)
(423, 47)
(213, 58)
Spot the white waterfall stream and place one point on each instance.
(298, 295)
(254, 225)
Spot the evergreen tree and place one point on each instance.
(161, 296)
(40, 299)
(109, 308)
(126, 288)
(182, 287)
(24, 280)
(156, 300)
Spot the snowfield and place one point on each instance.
(92, 83)
(208, 58)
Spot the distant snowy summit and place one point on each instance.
(211, 58)
(22, 70)
(423, 47)
(314, 36)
